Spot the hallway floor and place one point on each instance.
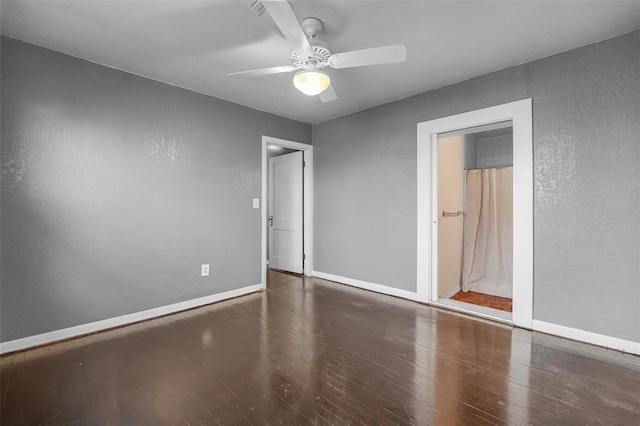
(309, 351)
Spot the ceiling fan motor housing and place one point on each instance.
(319, 58)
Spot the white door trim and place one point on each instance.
(520, 112)
(308, 201)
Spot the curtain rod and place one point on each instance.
(487, 168)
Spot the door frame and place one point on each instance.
(520, 113)
(307, 220)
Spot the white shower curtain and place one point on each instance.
(487, 265)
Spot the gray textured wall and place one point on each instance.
(586, 176)
(116, 188)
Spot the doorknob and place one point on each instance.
(270, 220)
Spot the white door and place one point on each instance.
(285, 212)
(450, 216)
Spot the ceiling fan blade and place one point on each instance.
(328, 95)
(374, 56)
(282, 14)
(264, 71)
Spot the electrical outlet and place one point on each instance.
(204, 270)
(256, 203)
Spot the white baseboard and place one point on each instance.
(378, 288)
(92, 327)
(541, 326)
(587, 337)
(76, 331)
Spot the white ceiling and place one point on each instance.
(195, 43)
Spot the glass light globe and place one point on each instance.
(311, 83)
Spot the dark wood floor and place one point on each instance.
(308, 351)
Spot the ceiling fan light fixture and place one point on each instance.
(311, 82)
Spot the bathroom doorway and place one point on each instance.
(453, 259)
(475, 218)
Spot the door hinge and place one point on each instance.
(304, 164)
(304, 256)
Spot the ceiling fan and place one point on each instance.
(310, 55)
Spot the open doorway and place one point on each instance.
(282, 156)
(433, 215)
(285, 209)
(475, 222)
